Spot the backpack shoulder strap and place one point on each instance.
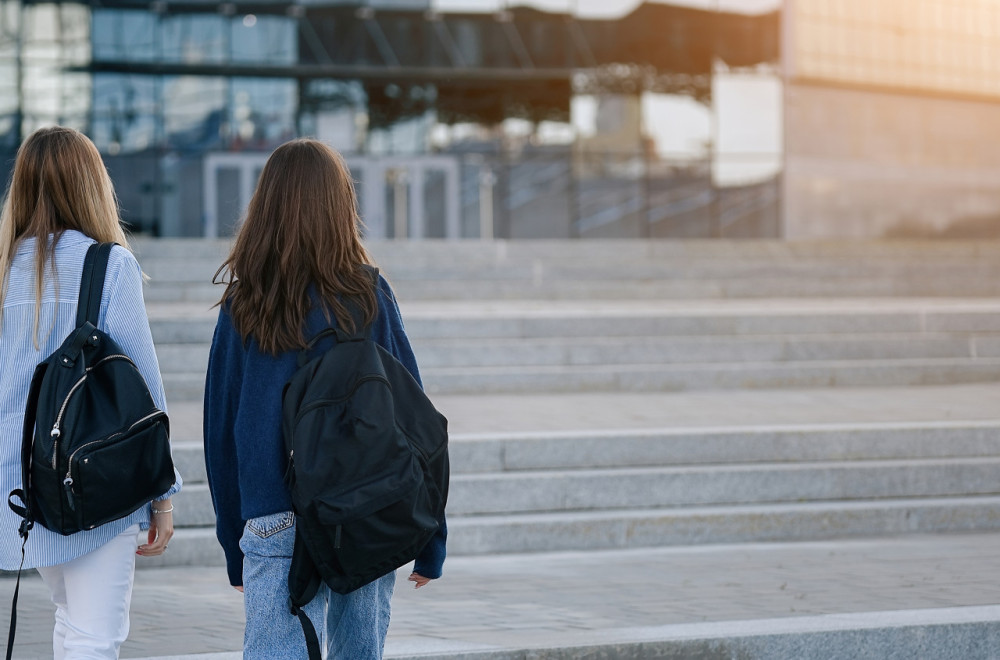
(95, 267)
(360, 329)
(372, 272)
(360, 332)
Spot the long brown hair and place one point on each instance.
(301, 230)
(59, 183)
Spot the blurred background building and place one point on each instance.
(892, 118)
(551, 118)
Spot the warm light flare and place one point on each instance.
(930, 45)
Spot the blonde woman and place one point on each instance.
(297, 259)
(61, 201)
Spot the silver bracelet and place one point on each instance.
(155, 510)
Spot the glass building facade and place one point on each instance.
(520, 123)
(192, 112)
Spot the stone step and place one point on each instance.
(751, 375)
(183, 270)
(545, 492)
(685, 350)
(189, 459)
(173, 292)
(164, 258)
(668, 378)
(637, 488)
(722, 524)
(613, 268)
(654, 527)
(194, 506)
(625, 250)
(954, 633)
(479, 453)
(587, 450)
(945, 284)
(183, 359)
(150, 249)
(533, 272)
(622, 250)
(583, 351)
(180, 323)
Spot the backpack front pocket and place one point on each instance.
(374, 527)
(110, 478)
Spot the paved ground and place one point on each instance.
(545, 598)
(541, 599)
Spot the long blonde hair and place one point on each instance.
(301, 232)
(59, 183)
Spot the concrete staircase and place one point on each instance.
(518, 346)
(631, 316)
(640, 316)
(620, 489)
(182, 269)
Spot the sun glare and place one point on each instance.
(930, 45)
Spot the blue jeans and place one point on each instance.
(349, 626)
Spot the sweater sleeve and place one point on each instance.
(123, 317)
(223, 383)
(389, 332)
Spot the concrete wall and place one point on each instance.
(864, 164)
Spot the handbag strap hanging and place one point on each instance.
(95, 267)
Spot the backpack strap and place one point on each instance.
(25, 512)
(303, 584)
(95, 267)
(360, 329)
(27, 443)
(13, 605)
(360, 332)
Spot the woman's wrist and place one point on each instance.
(161, 506)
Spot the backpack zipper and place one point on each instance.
(322, 402)
(68, 481)
(56, 431)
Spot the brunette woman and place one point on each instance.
(296, 261)
(61, 201)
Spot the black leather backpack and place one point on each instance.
(95, 447)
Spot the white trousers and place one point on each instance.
(92, 595)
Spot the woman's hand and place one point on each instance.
(161, 529)
(418, 580)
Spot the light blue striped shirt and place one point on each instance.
(123, 317)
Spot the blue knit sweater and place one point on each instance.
(244, 452)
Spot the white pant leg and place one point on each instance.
(57, 590)
(92, 595)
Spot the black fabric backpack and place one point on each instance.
(367, 467)
(94, 447)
